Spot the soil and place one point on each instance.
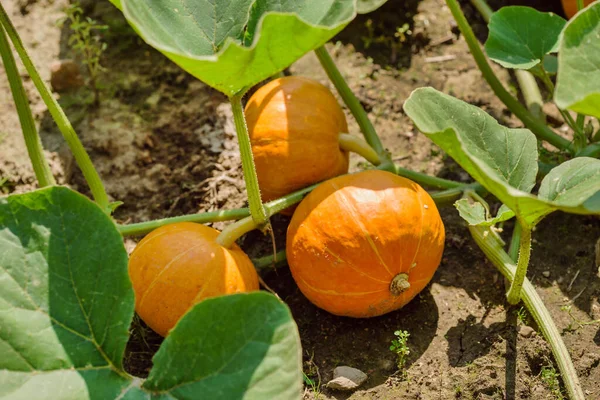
(164, 144)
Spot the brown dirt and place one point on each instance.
(165, 145)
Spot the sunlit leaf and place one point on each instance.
(234, 44)
(578, 79)
(504, 160)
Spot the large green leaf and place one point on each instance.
(244, 346)
(504, 160)
(578, 80)
(520, 37)
(66, 302)
(367, 6)
(573, 184)
(233, 44)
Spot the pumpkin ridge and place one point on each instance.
(153, 283)
(422, 207)
(206, 284)
(334, 293)
(144, 242)
(353, 267)
(366, 234)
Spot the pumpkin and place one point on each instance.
(179, 265)
(294, 124)
(363, 245)
(570, 7)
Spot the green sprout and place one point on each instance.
(85, 40)
(550, 378)
(400, 347)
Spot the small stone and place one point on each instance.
(346, 378)
(546, 274)
(526, 331)
(65, 75)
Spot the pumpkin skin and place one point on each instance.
(294, 124)
(570, 7)
(178, 265)
(355, 237)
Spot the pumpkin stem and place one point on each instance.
(399, 284)
(357, 145)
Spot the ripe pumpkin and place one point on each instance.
(294, 124)
(570, 7)
(363, 245)
(179, 265)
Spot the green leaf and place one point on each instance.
(233, 347)
(578, 80)
(66, 301)
(476, 214)
(235, 44)
(367, 6)
(504, 160)
(574, 185)
(520, 37)
(550, 64)
(66, 304)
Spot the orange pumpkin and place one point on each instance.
(363, 245)
(570, 7)
(294, 124)
(179, 265)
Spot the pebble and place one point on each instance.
(65, 75)
(546, 274)
(346, 378)
(526, 331)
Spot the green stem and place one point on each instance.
(591, 150)
(356, 145)
(449, 196)
(580, 5)
(352, 103)
(143, 228)
(233, 232)
(272, 260)
(535, 125)
(32, 140)
(81, 157)
(427, 180)
(484, 9)
(580, 122)
(272, 207)
(257, 210)
(565, 114)
(492, 248)
(514, 293)
(513, 250)
(529, 88)
(531, 94)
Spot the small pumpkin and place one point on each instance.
(294, 124)
(365, 244)
(570, 7)
(178, 265)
